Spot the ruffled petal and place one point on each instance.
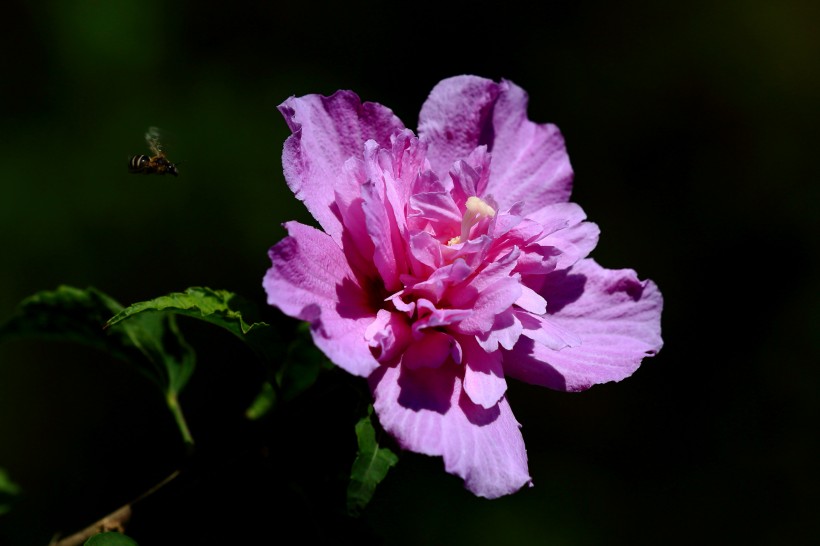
(388, 336)
(530, 162)
(615, 316)
(427, 412)
(311, 280)
(430, 350)
(326, 132)
(575, 240)
(484, 379)
(455, 118)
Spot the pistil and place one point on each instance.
(476, 211)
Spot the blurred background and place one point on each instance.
(693, 131)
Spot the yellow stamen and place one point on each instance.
(476, 211)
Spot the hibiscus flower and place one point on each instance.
(448, 261)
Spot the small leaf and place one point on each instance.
(369, 468)
(263, 403)
(218, 307)
(68, 314)
(301, 365)
(110, 538)
(298, 370)
(152, 343)
(8, 492)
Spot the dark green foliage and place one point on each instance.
(8, 492)
(369, 468)
(110, 538)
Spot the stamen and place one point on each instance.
(476, 211)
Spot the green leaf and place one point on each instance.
(110, 538)
(219, 307)
(302, 364)
(298, 370)
(68, 314)
(152, 343)
(263, 403)
(8, 492)
(369, 468)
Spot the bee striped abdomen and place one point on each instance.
(138, 163)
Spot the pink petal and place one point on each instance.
(439, 209)
(429, 351)
(615, 316)
(491, 292)
(311, 280)
(531, 301)
(427, 412)
(491, 302)
(470, 176)
(505, 331)
(543, 330)
(454, 118)
(326, 132)
(574, 241)
(389, 253)
(484, 375)
(389, 335)
(530, 162)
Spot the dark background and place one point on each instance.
(693, 132)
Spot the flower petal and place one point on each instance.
(388, 336)
(454, 118)
(326, 132)
(530, 162)
(484, 379)
(429, 351)
(427, 412)
(574, 241)
(311, 280)
(615, 316)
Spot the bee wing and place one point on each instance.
(152, 138)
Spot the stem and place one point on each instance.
(115, 521)
(176, 409)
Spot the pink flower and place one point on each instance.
(448, 262)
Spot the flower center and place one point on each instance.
(476, 211)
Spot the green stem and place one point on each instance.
(175, 408)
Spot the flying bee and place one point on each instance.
(156, 163)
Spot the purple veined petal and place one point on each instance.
(574, 241)
(427, 412)
(455, 118)
(356, 243)
(470, 176)
(426, 250)
(439, 209)
(531, 301)
(389, 335)
(615, 316)
(530, 162)
(310, 280)
(535, 262)
(544, 331)
(433, 317)
(505, 331)
(441, 279)
(326, 132)
(497, 271)
(491, 303)
(484, 380)
(407, 308)
(389, 252)
(430, 350)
